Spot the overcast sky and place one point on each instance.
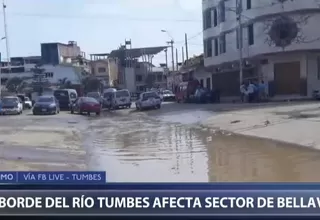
(101, 25)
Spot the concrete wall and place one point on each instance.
(113, 71)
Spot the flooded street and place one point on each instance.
(166, 145)
(171, 147)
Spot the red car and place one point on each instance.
(86, 104)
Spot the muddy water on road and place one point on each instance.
(140, 149)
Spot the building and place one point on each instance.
(131, 68)
(59, 60)
(280, 45)
(100, 69)
(57, 53)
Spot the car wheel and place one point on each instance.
(88, 113)
(97, 113)
(72, 112)
(159, 106)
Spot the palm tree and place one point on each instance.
(39, 79)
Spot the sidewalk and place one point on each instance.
(296, 123)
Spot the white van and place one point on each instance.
(107, 97)
(121, 98)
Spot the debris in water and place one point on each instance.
(235, 122)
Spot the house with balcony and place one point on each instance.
(277, 41)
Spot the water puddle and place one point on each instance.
(138, 149)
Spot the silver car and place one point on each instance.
(148, 100)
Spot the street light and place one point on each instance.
(171, 44)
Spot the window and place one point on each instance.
(221, 12)
(201, 82)
(216, 47)
(207, 47)
(215, 17)
(208, 19)
(138, 78)
(248, 4)
(238, 6)
(222, 44)
(49, 75)
(102, 70)
(250, 35)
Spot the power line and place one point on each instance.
(114, 18)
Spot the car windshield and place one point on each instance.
(9, 100)
(167, 92)
(89, 99)
(107, 94)
(93, 94)
(120, 94)
(149, 95)
(61, 94)
(45, 99)
(26, 99)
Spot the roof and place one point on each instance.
(138, 52)
(100, 54)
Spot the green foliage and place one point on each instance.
(92, 84)
(14, 84)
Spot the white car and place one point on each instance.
(27, 103)
(148, 100)
(11, 105)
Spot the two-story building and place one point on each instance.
(279, 44)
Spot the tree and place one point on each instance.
(92, 84)
(14, 84)
(65, 83)
(39, 79)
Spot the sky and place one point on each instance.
(99, 26)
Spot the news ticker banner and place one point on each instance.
(53, 178)
(142, 202)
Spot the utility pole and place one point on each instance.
(172, 53)
(182, 54)
(186, 42)
(6, 34)
(240, 40)
(166, 53)
(177, 61)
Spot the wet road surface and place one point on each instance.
(166, 145)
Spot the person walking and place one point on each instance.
(243, 91)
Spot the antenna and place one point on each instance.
(6, 33)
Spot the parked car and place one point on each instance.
(27, 103)
(86, 104)
(121, 98)
(96, 95)
(11, 105)
(168, 96)
(65, 97)
(107, 97)
(148, 100)
(46, 105)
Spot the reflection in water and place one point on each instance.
(140, 150)
(147, 151)
(240, 159)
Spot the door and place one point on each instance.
(201, 82)
(208, 83)
(287, 78)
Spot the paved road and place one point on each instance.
(166, 145)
